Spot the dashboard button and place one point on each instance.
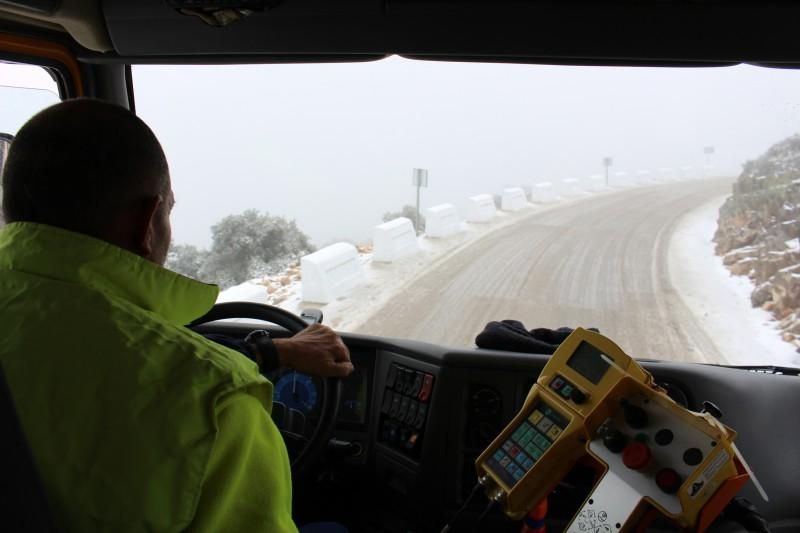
(412, 411)
(417, 385)
(426, 388)
(400, 379)
(422, 411)
(401, 412)
(408, 383)
(411, 441)
(395, 405)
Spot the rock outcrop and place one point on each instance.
(758, 231)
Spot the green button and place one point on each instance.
(535, 453)
(541, 442)
(518, 433)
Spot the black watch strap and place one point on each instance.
(261, 346)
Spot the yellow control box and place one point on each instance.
(592, 402)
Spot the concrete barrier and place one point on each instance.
(571, 187)
(394, 240)
(666, 174)
(597, 183)
(330, 273)
(513, 199)
(644, 177)
(480, 208)
(621, 179)
(441, 221)
(543, 193)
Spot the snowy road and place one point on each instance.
(601, 262)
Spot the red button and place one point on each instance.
(427, 387)
(636, 455)
(668, 480)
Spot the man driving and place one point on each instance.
(134, 421)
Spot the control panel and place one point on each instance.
(593, 403)
(404, 409)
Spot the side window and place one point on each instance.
(24, 91)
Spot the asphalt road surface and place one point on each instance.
(601, 262)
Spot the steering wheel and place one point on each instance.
(306, 449)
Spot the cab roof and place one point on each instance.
(623, 32)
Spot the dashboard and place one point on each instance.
(418, 415)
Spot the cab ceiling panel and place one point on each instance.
(644, 31)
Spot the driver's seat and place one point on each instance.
(24, 505)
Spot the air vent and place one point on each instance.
(484, 416)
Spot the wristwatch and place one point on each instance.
(260, 344)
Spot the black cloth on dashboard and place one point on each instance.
(511, 336)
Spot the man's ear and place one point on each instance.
(147, 225)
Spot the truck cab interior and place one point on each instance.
(392, 448)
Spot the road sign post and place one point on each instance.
(419, 178)
(607, 162)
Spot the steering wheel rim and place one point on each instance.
(331, 387)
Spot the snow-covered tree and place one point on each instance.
(186, 259)
(252, 244)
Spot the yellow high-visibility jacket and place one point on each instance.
(135, 423)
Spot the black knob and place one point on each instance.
(664, 437)
(692, 456)
(712, 409)
(577, 396)
(635, 416)
(615, 441)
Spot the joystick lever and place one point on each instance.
(712, 409)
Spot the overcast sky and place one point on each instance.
(333, 145)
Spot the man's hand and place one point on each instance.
(317, 350)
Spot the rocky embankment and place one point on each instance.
(758, 231)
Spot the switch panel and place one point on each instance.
(404, 409)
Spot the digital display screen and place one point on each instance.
(528, 442)
(353, 407)
(588, 362)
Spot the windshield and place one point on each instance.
(424, 200)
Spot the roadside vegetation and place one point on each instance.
(243, 247)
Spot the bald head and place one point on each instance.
(86, 166)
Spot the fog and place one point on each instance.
(333, 145)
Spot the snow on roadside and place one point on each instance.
(719, 300)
